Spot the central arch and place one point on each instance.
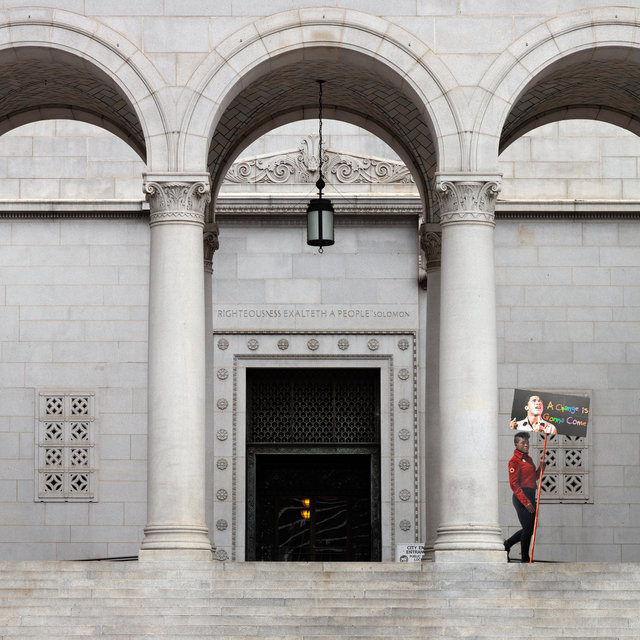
(377, 77)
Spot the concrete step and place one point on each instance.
(330, 600)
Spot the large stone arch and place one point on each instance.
(389, 65)
(57, 64)
(579, 65)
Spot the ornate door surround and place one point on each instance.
(392, 352)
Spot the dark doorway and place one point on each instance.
(313, 507)
(313, 464)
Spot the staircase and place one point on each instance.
(286, 601)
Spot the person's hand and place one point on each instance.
(543, 466)
(512, 424)
(531, 508)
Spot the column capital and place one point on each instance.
(211, 245)
(431, 244)
(177, 197)
(467, 197)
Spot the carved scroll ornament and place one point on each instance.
(301, 166)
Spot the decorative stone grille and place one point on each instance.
(566, 477)
(65, 438)
(306, 407)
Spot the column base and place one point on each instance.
(175, 555)
(172, 542)
(469, 538)
(470, 557)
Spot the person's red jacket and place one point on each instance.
(522, 475)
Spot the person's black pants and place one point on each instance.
(526, 521)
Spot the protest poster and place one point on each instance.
(549, 412)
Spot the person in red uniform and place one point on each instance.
(523, 476)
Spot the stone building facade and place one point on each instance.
(171, 350)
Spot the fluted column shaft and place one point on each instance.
(176, 434)
(469, 527)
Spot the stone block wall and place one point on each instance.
(576, 159)
(573, 159)
(363, 282)
(69, 160)
(569, 320)
(73, 317)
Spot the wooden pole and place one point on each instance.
(535, 522)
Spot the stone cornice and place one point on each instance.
(284, 208)
(37, 208)
(277, 210)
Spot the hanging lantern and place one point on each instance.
(320, 210)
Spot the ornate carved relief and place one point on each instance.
(211, 245)
(177, 201)
(301, 166)
(465, 199)
(373, 344)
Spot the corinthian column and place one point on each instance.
(469, 529)
(176, 436)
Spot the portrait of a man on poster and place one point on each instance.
(550, 413)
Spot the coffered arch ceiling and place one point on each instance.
(354, 94)
(599, 84)
(43, 83)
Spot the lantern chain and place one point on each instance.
(320, 82)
